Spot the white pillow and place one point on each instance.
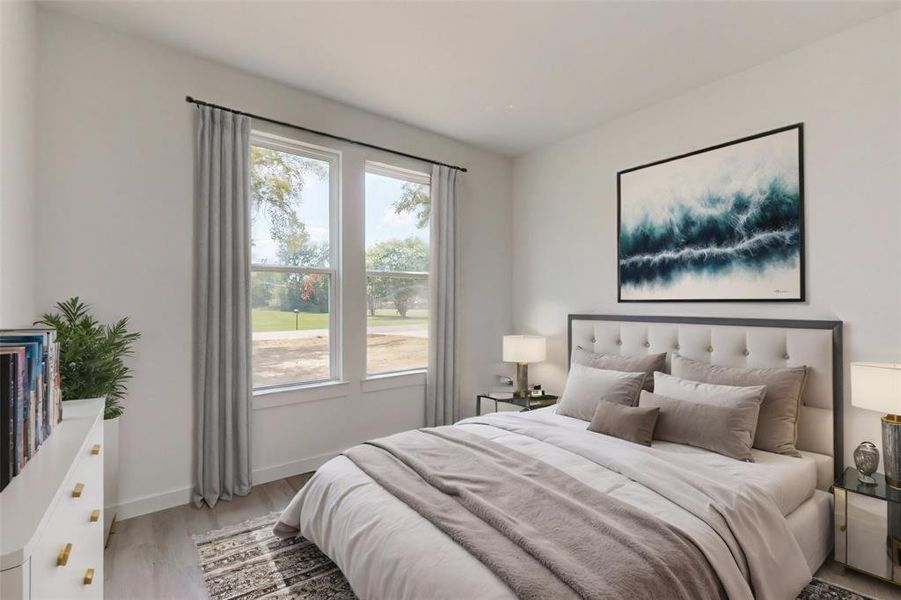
(587, 387)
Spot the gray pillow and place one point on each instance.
(630, 423)
(586, 387)
(614, 362)
(724, 429)
(777, 426)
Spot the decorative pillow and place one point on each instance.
(586, 387)
(777, 426)
(614, 362)
(630, 423)
(726, 430)
(708, 393)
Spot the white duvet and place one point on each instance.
(389, 552)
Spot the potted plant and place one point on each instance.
(92, 365)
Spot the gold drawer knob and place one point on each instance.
(95, 515)
(95, 450)
(89, 577)
(76, 492)
(842, 527)
(63, 556)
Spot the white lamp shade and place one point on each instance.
(524, 348)
(876, 386)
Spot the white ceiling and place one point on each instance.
(505, 76)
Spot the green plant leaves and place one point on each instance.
(92, 355)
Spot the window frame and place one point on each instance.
(411, 176)
(333, 157)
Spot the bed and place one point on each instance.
(776, 510)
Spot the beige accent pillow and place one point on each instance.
(614, 362)
(708, 393)
(630, 423)
(724, 429)
(777, 426)
(586, 387)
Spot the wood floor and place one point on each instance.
(153, 556)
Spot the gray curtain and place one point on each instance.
(222, 379)
(442, 405)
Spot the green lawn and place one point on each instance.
(275, 320)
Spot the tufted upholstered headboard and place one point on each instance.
(740, 343)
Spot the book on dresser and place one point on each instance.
(30, 396)
(51, 514)
(11, 379)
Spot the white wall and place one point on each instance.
(18, 44)
(115, 210)
(847, 91)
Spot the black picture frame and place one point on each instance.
(802, 297)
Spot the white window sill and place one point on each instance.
(390, 381)
(298, 394)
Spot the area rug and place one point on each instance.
(246, 561)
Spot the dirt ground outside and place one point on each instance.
(288, 360)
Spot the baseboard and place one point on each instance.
(288, 469)
(151, 503)
(179, 497)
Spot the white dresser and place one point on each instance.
(51, 515)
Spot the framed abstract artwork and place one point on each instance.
(721, 224)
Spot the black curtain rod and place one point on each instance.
(323, 133)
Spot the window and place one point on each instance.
(294, 278)
(397, 263)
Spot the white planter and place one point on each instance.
(110, 473)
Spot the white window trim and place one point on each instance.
(388, 170)
(399, 274)
(299, 394)
(333, 158)
(393, 380)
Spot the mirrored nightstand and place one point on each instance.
(868, 526)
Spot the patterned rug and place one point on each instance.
(246, 561)
(822, 590)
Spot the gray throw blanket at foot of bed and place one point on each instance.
(541, 531)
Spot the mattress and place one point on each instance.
(787, 479)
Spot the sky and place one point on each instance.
(381, 221)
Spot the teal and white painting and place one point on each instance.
(720, 224)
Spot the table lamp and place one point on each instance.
(877, 386)
(522, 350)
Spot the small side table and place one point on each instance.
(868, 526)
(529, 403)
